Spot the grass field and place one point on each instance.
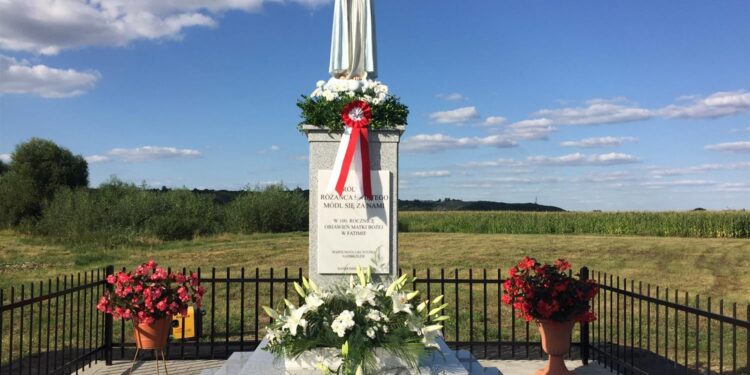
(710, 267)
(715, 267)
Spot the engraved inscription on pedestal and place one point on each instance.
(354, 231)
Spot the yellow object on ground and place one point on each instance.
(189, 325)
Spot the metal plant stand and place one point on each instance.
(157, 351)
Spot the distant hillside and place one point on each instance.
(226, 196)
(459, 205)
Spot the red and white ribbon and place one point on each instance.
(354, 149)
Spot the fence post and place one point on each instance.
(108, 324)
(584, 326)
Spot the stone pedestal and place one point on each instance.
(352, 228)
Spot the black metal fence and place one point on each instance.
(52, 327)
(645, 329)
(56, 328)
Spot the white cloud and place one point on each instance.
(747, 129)
(529, 132)
(441, 142)
(439, 173)
(494, 121)
(605, 111)
(527, 180)
(578, 159)
(598, 111)
(474, 185)
(618, 110)
(532, 123)
(492, 163)
(312, 3)
(49, 26)
(301, 157)
(506, 181)
(452, 97)
(682, 183)
(97, 159)
(606, 177)
(719, 104)
(599, 142)
(270, 149)
(21, 77)
(742, 146)
(703, 168)
(149, 153)
(734, 186)
(455, 116)
(5, 158)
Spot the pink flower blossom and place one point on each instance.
(150, 293)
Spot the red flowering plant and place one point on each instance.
(150, 293)
(546, 291)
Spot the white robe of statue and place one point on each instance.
(353, 40)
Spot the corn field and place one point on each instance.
(704, 224)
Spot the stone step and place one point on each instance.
(234, 364)
(447, 362)
(473, 366)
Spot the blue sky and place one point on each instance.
(636, 105)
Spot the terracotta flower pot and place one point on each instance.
(556, 343)
(152, 336)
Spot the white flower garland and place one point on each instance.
(335, 88)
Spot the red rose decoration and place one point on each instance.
(355, 140)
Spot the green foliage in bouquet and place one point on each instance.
(355, 320)
(323, 107)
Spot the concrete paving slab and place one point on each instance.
(175, 367)
(528, 367)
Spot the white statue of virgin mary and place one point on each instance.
(353, 41)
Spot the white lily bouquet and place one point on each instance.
(355, 325)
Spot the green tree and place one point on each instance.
(38, 168)
(3, 168)
(49, 166)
